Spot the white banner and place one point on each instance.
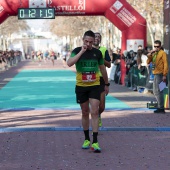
(133, 44)
(37, 4)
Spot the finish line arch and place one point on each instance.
(119, 12)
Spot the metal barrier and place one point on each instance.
(136, 79)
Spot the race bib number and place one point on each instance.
(88, 76)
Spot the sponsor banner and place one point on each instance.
(37, 4)
(133, 44)
(3, 14)
(116, 6)
(126, 16)
(123, 13)
(76, 7)
(1, 8)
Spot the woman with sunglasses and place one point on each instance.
(159, 61)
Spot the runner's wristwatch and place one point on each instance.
(108, 84)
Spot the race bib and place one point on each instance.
(88, 76)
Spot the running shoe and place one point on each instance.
(100, 122)
(95, 147)
(86, 144)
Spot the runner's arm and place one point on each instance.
(107, 63)
(73, 59)
(107, 59)
(105, 77)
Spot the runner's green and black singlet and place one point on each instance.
(88, 67)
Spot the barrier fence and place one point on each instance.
(135, 79)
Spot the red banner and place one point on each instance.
(119, 12)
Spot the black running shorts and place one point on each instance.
(84, 93)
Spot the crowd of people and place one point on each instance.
(9, 59)
(145, 69)
(138, 71)
(49, 55)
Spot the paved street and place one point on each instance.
(132, 138)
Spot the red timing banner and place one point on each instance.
(119, 12)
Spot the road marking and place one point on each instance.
(120, 129)
(29, 108)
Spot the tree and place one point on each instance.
(12, 24)
(73, 26)
(152, 11)
(9, 26)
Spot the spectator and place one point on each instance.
(64, 58)
(140, 47)
(160, 70)
(142, 62)
(121, 67)
(115, 60)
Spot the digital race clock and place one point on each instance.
(36, 13)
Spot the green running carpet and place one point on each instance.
(45, 89)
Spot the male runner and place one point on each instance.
(107, 63)
(88, 61)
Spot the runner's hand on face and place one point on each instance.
(84, 48)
